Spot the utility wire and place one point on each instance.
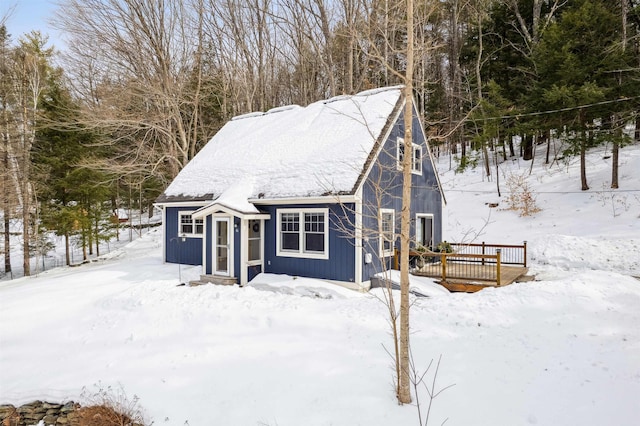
(553, 111)
(551, 192)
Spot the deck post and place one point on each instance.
(483, 253)
(395, 259)
(525, 254)
(443, 259)
(498, 251)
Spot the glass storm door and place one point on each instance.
(221, 246)
(425, 231)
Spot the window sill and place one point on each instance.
(190, 235)
(386, 254)
(300, 255)
(413, 172)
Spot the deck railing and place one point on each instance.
(481, 267)
(510, 254)
(482, 262)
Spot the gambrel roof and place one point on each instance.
(290, 152)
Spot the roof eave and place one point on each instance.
(375, 151)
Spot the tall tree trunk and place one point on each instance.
(26, 251)
(404, 393)
(90, 231)
(615, 150)
(67, 251)
(624, 6)
(548, 137)
(614, 163)
(455, 76)
(485, 153)
(527, 147)
(96, 230)
(478, 69)
(583, 165)
(6, 204)
(583, 152)
(84, 243)
(512, 150)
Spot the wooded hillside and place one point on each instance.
(142, 85)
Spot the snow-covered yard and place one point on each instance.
(564, 350)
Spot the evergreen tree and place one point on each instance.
(73, 196)
(576, 60)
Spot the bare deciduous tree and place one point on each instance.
(137, 67)
(24, 81)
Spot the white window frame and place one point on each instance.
(419, 235)
(301, 253)
(390, 251)
(258, 238)
(416, 156)
(194, 222)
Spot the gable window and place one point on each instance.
(189, 226)
(303, 233)
(416, 156)
(387, 228)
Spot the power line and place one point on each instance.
(609, 191)
(553, 111)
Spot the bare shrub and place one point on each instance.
(107, 406)
(521, 197)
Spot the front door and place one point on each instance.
(424, 230)
(221, 246)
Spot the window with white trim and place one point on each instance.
(416, 156)
(387, 235)
(254, 241)
(303, 233)
(188, 226)
(424, 230)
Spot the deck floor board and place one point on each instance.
(462, 278)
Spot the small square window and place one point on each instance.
(189, 226)
(416, 156)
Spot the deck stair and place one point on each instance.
(214, 279)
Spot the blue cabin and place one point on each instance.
(311, 191)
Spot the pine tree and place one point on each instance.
(576, 60)
(72, 196)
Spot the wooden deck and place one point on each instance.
(471, 267)
(460, 278)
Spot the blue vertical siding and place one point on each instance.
(341, 263)
(384, 187)
(188, 252)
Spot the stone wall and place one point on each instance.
(36, 411)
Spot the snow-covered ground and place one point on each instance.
(563, 350)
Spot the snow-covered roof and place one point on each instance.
(290, 151)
